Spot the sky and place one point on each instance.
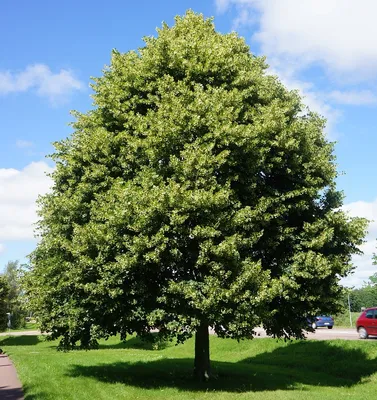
(50, 50)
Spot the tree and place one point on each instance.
(12, 275)
(4, 289)
(198, 192)
(366, 296)
(373, 278)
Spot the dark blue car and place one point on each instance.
(322, 321)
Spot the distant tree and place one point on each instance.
(12, 274)
(373, 278)
(363, 297)
(366, 296)
(199, 192)
(4, 290)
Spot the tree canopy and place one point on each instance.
(198, 192)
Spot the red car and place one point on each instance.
(366, 324)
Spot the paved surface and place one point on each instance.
(20, 333)
(335, 333)
(319, 334)
(10, 386)
(323, 334)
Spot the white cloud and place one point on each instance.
(24, 144)
(222, 5)
(244, 17)
(2, 248)
(54, 86)
(285, 68)
(19, 190)
(353, 97)
(338, 34)
(364, 263)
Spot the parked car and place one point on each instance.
(366, 324)
(322, 321)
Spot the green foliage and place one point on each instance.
(343, 319)
(13, 301)
(363, 297)
(4, 290)
(366, 296)
(373, 278)
(198, 189)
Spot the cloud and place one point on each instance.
(353, 97)
(55, 86)
(338, 34)
(19, 190)
(2, 248)
(22, 144)
(222, 5)
(297, 35)
(286, 68)
(364, 263)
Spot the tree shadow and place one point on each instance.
(33, 393)
(7, 393)
(287, 368)
(137, 343)
(24, 340)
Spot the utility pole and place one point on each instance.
(349, 309)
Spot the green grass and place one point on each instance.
(29, 326)
(258, 369)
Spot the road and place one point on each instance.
(339, 333)
(325, 334)
(20, 333)
(319, 334)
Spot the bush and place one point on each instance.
(18, 319)
(343, 319)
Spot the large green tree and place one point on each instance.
(199, 192)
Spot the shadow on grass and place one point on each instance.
(137, 343)
(286, 368)
(31, 393)
(24, 340)
(10, 393)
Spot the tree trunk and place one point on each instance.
(202, 362)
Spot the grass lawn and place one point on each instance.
(258, 369)
(29, 326)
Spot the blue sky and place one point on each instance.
(49, 51)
